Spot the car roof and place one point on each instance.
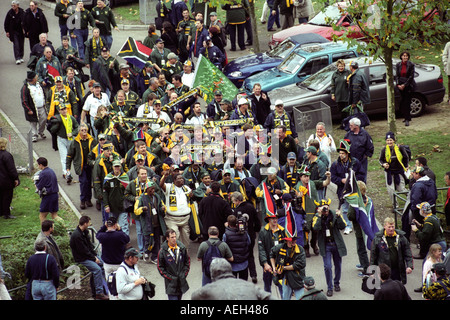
(303, 38)
(320, 47)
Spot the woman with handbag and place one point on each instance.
(404, 80)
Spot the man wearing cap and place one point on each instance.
(129, 280)
(93, 47)
(65, 128)
(113, 241)
(213, 107)
(311, 292)
(361, 144)
(150, 212)
(395, 161)
(280, 117)
(288, 262)
(104, 69)
(430, 231)
(58, 95)
(440, 289)
(289, 172)
(93, 101)
(269, 236)
(275, 185)
(228, 185)
(213, 53)
(172, 66)
(33, 102)
(242, 112)
(14, 30)
(102, 166)
(143, 79)
(78, 152)
(159, 55)
(340, 172)
(125, 77)
(331, 244)
(306, 189)
(114, 186)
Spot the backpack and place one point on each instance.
(445, 289)
(112, 287)
(211, 253)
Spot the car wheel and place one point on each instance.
(417, 105)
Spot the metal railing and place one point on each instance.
(97, 247)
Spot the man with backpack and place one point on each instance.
(211, 249)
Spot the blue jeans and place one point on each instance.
(287, 292)
(109, 40)
(344, 210)
(205, 279)
(82, 36)
(43, 290)
(97, 272)
(139, 235)
(331, 252)
(85, 179)
(268, 279)
(273, 19)
(122, 220)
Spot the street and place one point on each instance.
(12, 80)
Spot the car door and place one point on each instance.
(376, 74)
(311, 67)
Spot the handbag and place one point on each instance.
(149, 290)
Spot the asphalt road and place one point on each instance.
(11, 80)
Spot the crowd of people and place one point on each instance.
(231, 176)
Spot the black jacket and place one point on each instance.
(13, 22)
(34, 25)
(213, 211)
(81, 245)
(8, 172)
(408, 81)
(254, 224)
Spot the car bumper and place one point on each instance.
(435, 96)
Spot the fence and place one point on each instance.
(307, 116)
(20, 146)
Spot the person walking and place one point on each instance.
(34, 23)
(14, 31)
(10, 180)
(331, 243)
(174, 265)
(47, 186)
(104, 20)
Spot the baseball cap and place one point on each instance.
(132, 252)
(291, 155)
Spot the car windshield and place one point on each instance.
(282, 50)
(320, 79)
(292, 63)
(331, 12)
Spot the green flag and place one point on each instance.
(209, 79)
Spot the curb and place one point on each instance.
(35, 156)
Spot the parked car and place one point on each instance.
(316, 89)
(300, 64)
(320, 25)
(334, 15)
(243, 67)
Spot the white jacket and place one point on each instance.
(125, 277)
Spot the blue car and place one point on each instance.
(241, 68)
(300, 64)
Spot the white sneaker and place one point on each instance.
(17, 61)
(146, 257)
(21, 61)
(348, 230)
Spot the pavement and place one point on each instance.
(10, 83)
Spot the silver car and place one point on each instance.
(308, 94)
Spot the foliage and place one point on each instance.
(387, 25)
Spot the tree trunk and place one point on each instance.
(254, 26)
(390, 89)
